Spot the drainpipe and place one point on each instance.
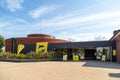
(13, 45)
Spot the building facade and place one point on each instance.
(110, 48)
(116, 38)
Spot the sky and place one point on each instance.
(74, 20)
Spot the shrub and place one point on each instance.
(51, 55)
(58, 55)
(40, 55)
(6, 55)
(20, 56)
(30, 55)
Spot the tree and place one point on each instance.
(2, 43)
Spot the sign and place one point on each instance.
(20, 48)
(75, 58)
(64, 57)
(114, 52)
(41, 47)
(103, 58)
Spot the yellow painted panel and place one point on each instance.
(41, 47)
(114, 52)
(20, 48)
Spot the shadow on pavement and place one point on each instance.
(117, 75)
(100, 64)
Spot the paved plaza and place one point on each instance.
(55, 70)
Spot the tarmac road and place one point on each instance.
(51, 70)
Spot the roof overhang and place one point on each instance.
(114, 36)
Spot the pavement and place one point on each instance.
(55, 70)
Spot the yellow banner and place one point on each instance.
(103, 57)
(20, 48)
(41, 47)
(64, 57)
(114, 53)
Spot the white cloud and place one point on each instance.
(101, 21)
(101, 26)
(81, 19)
(85, 24)
(97, 36)
(3, 24)
(12, 5)
(71, 35)
(13, 27)
(20, 21)
(73, 21)
(38, 12)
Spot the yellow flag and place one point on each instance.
(103, 57)
(114, 53)
(41, 47)
(20, 48)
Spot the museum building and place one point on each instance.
(87, 49)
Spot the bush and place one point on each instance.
(20, 56)
(7, 55)
(30, 55)
(40, 55)
(58, 55)
(51, 55)
(47, 55)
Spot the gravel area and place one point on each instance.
(55, 70)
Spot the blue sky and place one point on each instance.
(75, 20)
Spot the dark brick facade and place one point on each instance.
(8, 45)
(40, 36)
(118, 47)
(31, 39)
(34, 40)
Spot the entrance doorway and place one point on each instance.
(90, 54)
(69, 53)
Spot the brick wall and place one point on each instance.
(40, 35)
(34, 40)
(118, 47)
(8, 45)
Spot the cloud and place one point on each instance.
(38, 12)
(78, 23)
(97, 26)
(20, 21)
(75, 37)
(99, 37)
(12, 5)
(13, 27)
(82, 19)
(74, 27)
(62, 31)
